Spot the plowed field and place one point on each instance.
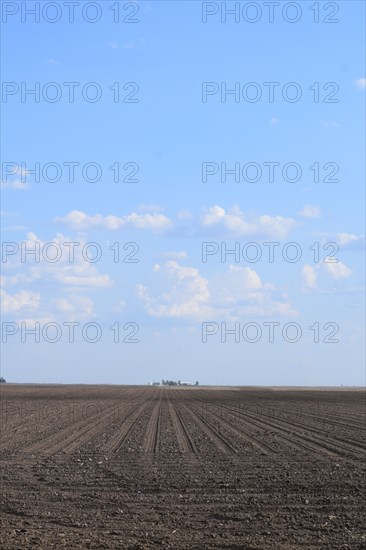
(182, 468)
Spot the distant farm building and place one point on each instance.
(175, 383)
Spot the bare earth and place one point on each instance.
(182, 468)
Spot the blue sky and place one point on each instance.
(168, 133)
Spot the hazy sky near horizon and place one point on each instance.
(159, 137)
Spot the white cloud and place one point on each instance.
(343, 239)
(30, 322)
(360, 83)
(23, 299)
(310, 211)
(77, 276)
(346, 238)
(309, 275)
(235, 223)
(337, 270)
(120, 306)
(187, 294)
(182, 292)
(75, 271)
(321, 272)
(14, 183)
(81, 221)
(235, 287)
(19, 278)
(214, 213)
(239, 292)
(76, 307)
(16, 179)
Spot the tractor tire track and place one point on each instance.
(151, 444)
(67, 442)
(185, 441)
(310, 442)
(314, 436)
(265, 449)
(296, 439)
(221, 442)
(128, 425)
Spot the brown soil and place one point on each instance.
(194, 468)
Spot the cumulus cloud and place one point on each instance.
(18, 278)
(236, 223)
(120, 306)
(310, 211)
(23, 299)
(237, 284)
(71, 268)
(182, 292)
(346, 238)
(309, 276)
(240, 292)
(15, 183)
(81, 221)
(75, 307)
(82, 276)
(317, 277)
(17, 179)
(233, 222)
(337, 270)
(185, 292)
(30, 322)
